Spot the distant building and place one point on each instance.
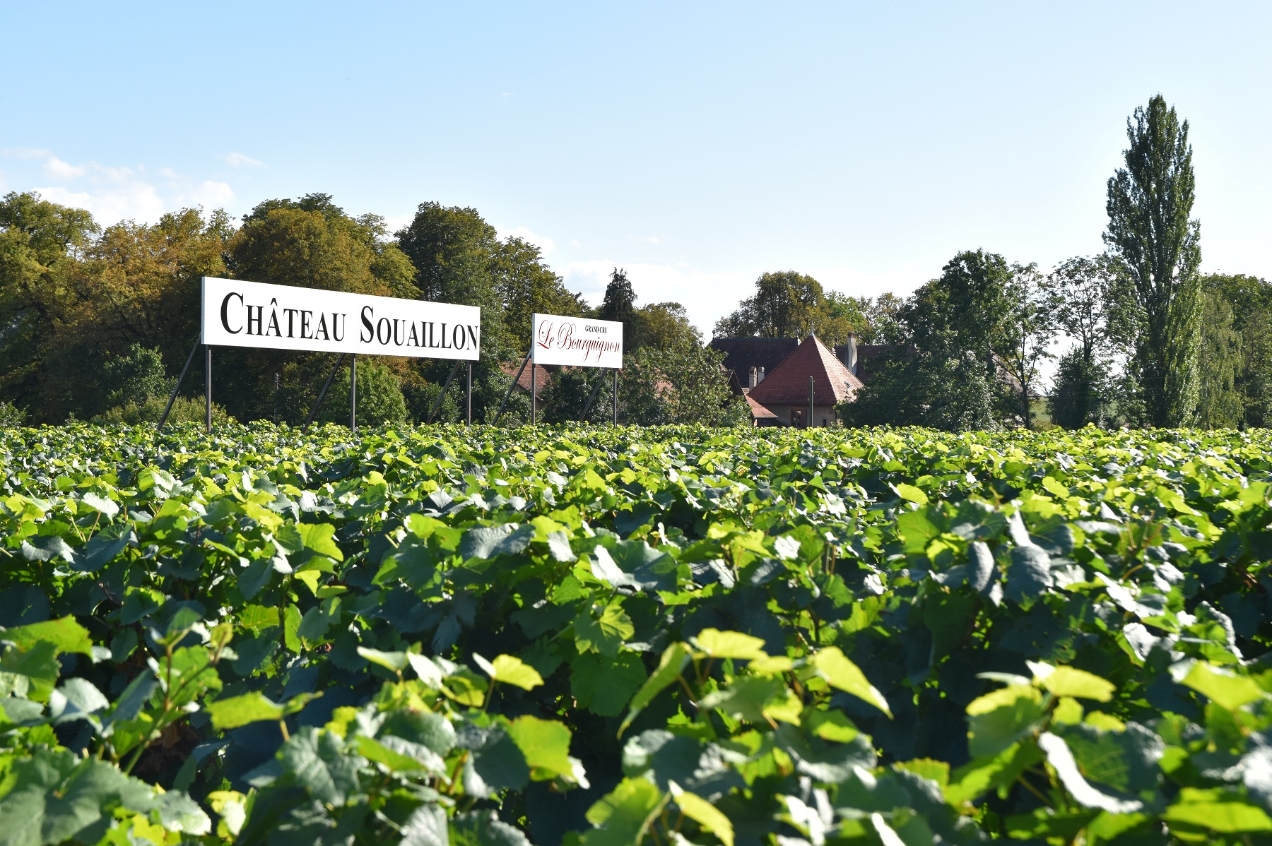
(811, 378)
(837, 375)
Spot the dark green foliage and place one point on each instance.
(1156, 248)
(619, 304)
(934, 388)
(788, 304)
(136, 376)
(1250, 301)
(380, 399)
(1081, 391)
(678, 385)
(1219, 359)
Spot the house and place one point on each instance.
(747, 362)
(811, 378)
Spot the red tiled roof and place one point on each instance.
(758, 412)
(542, 377)
(787, 384)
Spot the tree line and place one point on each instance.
(1153, 341)
(95, 323)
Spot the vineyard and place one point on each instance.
(609, 636)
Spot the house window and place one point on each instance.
(797, 418)
(823, 421)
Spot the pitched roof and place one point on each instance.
(787, 384)
(741, 354)
(758, 412)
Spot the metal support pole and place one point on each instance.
(534, 394)
(615, 420)
(468, 396)
(511, 388)
(173, 397)
(275, 399)
(353, 393)
(810, 402)
(325, 385)
(437, 405)
(207, 387)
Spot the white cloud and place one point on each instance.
(237, 159)
(545, 244)
(59, 169)
(114, 193)
(209, 194)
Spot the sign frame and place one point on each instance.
(573, 342)
(407, 332)
(260, 315)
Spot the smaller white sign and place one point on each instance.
(577, 342)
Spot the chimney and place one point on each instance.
(850, 353)
(761, 379)
(755, 378)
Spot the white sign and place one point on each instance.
(577, 342)
(284, 317)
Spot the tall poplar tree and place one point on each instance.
(1156, 247)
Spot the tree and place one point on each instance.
(41, 249)
(784, 305)
(1156, 247)
(666, 326)
(380, 399)
(883, 324)
(972, 339)
(137, 284)
(135, 377)
(525, 286)
(935, 387)
(1250, 301)
(838, 316)
(619, 304)
(309, 243)
(1078, 294)
(1026, 333)
(458, 258)
(1080, 391)
(1219, 402)
(679, 385)
(567, 395)
(967, 308)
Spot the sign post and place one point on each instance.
(207, 385)
(284, 317)
(575, 342)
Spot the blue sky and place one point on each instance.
(696, 144)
